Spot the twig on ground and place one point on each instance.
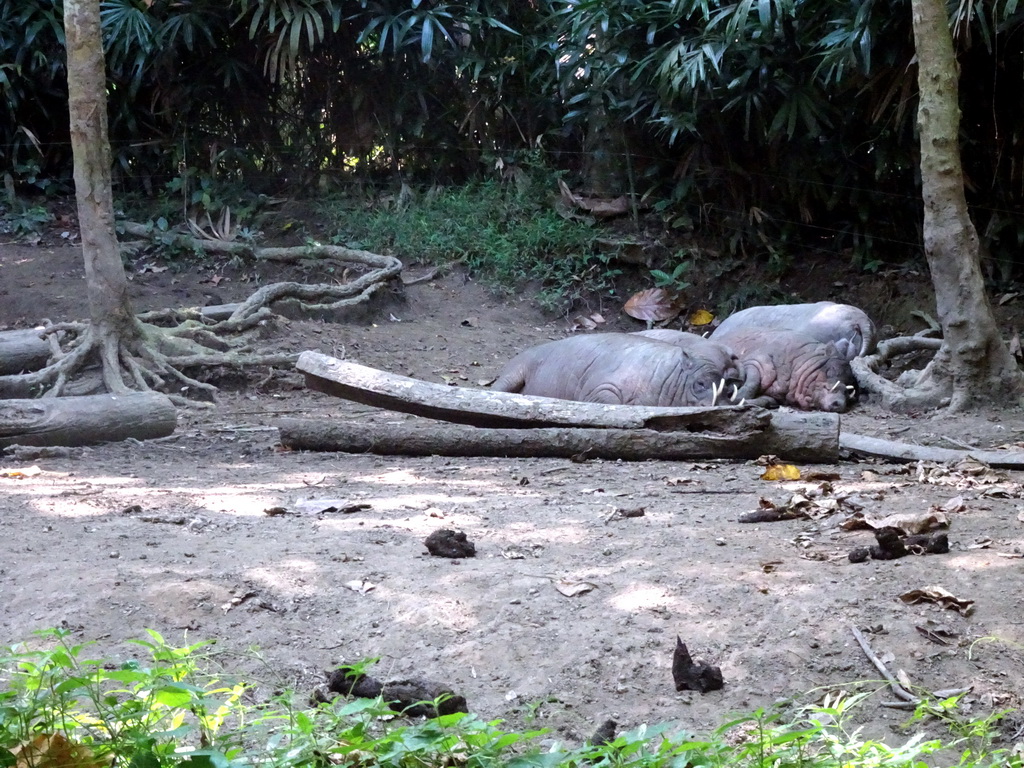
(898, 689)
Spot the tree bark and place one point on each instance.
(86, 420)
(973, 364)
(813, 437)
(107, 284)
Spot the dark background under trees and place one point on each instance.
(778, 127)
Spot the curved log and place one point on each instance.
(484, 408)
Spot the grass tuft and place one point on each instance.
(506, 234)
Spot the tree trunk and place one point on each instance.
(107, 285)
(973, 363)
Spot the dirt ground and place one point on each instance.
(175, 535)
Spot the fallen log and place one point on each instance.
(86, 420)
(22, 351)
(506, 410)
(896, 451)
(806, 437)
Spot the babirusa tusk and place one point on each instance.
(743, 401)
(716, 390)
(735, 391)
(835, 386)
(850, 388)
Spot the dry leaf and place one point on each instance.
(652, 305)
(771, 566)
(582, 323)
(53, 750)
(1007, 297)
(940, 596)
(781, 472)
(908, 522)
(362, 586)
(904, 679)
(701, 317)
(822, 476)
(573, 588)
(956, 504)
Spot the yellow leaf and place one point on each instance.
(20, 473)
(781, 472)
(701, 317)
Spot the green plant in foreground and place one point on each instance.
(168, 712)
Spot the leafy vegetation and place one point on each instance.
(506, 234)
(778, 126)
(60, 707)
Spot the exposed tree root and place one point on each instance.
(902, 394)
(307, 297)
(143, 356)
(934, 386)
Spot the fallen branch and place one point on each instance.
(899, 690)
(306, 297)
(890, 449)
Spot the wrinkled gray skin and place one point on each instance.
(790, 368)
(622, 369)
(849, 328)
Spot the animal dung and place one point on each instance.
(413, 697)
(689, 675)
(445, 542)
(893, 544)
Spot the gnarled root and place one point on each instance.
(904, 393)
(140, 358)
(308, 297)
(138, 355)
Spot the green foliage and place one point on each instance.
(24, 221)
(674, 281)
(505, 234)
(167, 711)
(757, 122)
